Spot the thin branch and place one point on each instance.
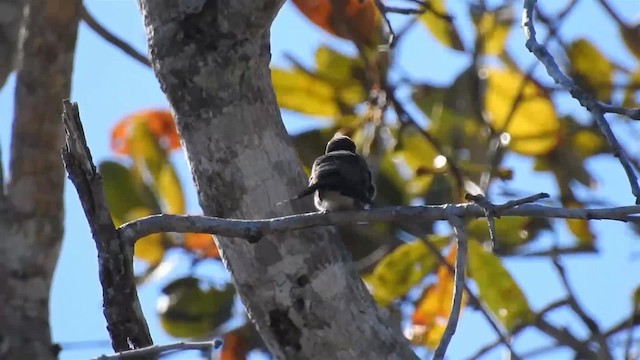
(405, 118)
(605, 352)
(633, 113)
(91, 21)
(125, 322)
(253, 230)
(584, 98)
(475, 302)
(155, 351)
(458, 287)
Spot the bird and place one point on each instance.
(340, 179)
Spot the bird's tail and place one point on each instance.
(306, 192)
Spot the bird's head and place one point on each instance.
(341, 142)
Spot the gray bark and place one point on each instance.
(300, 288)
(10, 18)
(31, 211)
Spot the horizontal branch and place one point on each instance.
(155, 351)
(253, 230)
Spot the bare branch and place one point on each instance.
(458, 287)
(91, 21)
(125, 322)
(605, 352)
(253, 230)
(633, 113)
(155, 351)
(476, 303)
(577, 93)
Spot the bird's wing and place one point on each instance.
(342, 171)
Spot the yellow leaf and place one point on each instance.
(579, 227)
(434, 307)
(587, 142)
(631, 97)
(401, 270)
(497, 288)
(306, 93)
(149, 156)
(442, 30)
(591, 69)
(533, 126)
(418, 156)
(493, 27)
(149, 248)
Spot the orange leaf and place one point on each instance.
(432, 310)
(202, 244)
(160, 124)
(357, 20)
(235, 347)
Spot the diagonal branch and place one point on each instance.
(604, 351)
(458, 287)
(125, 321)
(577, 93)
(91, 21)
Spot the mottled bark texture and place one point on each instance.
(31, 212)
(300, 288)
(10, 18)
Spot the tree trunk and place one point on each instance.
(31, 210)
(300, 289)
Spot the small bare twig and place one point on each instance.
(577, 93)
(605, 352)
(155, 351)
(475, 302)
(111, 38)
(125, 322)
(633, 113)
(458, 287)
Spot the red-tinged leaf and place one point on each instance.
(159, 122)
(357, 20)
(201, 244)
(434, 306)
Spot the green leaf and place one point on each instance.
(121, 193)
(188, 311)
(442, 30)
(311, 94)
(402, 269)
(497, 288)
(591, 69)
(510, 232)
(337, 68)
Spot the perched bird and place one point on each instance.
(340, 179)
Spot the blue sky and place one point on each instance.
(108, 86)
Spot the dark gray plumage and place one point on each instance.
(340, 179)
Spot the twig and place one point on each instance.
(254, 229)
(525, 200)
(111, 38)
(489, 213)
(125, 322)
(605, 352)
(458, 287)
(583, 98)
(155, 351)
(475, 302)
(633, 113)
(406, 118)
